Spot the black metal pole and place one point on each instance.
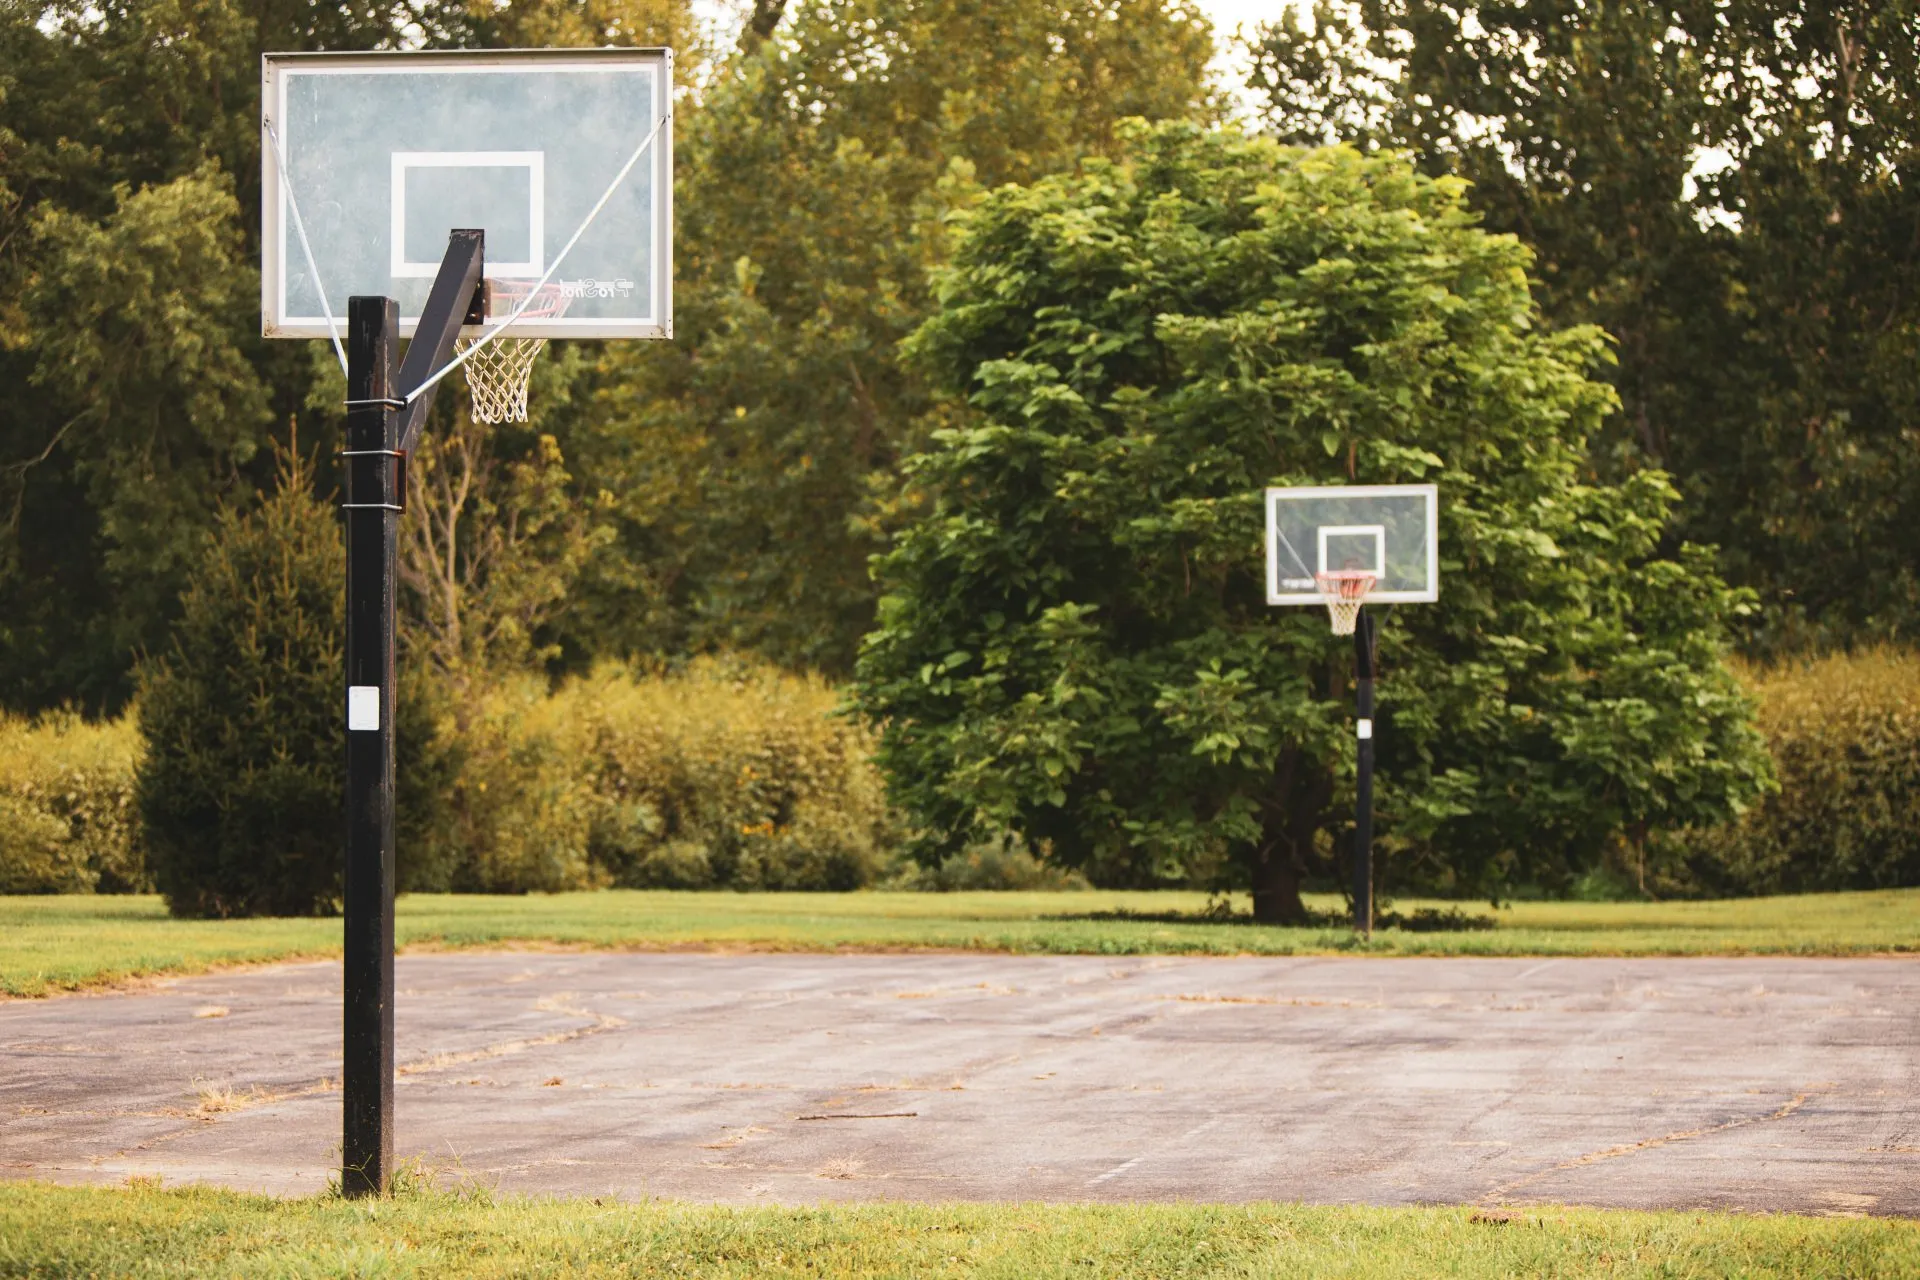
(1363, 774)
(376, 495)
(372, 513)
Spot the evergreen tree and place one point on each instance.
(243, 783)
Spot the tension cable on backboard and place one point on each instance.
(306, 246)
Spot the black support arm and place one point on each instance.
(446, 310)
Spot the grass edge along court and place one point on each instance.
(54, 1230)
(54, 944)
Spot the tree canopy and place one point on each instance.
(1726, 190)
(1074, 645)
(741, 469)
(1729, 190)
(754, 460)
(1640, 295)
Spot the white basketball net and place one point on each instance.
(498, 372)
(1344, 591)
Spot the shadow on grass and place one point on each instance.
(1419, 920)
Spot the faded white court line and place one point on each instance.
(1125, 1165)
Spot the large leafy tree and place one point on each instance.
(753, 460)
(1074, 644)
(1729, 189)
(133, 408)
(134, 335)
(139, 397)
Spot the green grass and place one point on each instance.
(67, 943)
(72, 1231)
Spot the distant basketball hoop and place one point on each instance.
(1345, 547)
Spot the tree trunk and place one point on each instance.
(1291, 817)
(1276, 891)
(765, 17)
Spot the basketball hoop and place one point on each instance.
(498, 372)
(1344, 591)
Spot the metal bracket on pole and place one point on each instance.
(448, 304)
(399, 457)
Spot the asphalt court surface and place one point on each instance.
(1755, 1084)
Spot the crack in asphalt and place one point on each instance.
(597, 1023)
(229, 1101)
(1648, 1144)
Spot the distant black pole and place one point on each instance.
(1363, 775)
(372, 514)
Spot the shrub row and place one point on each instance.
(730, 774)
(68, 823)
(723, 774)
(719, 773)
(1845, 735)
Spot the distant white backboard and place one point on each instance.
(1389, 530)
(387, 152)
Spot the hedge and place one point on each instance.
(68, 822)
(1845, 735)
(724, 773)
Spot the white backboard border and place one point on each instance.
(278, 248)
(1284, 591)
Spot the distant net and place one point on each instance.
(497, 373)
(1344, 591)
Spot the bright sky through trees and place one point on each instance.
(1227, 16)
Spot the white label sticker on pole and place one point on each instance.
(363, 707)
(1365, 728)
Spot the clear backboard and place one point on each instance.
(385, 153)
(1390, 532)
